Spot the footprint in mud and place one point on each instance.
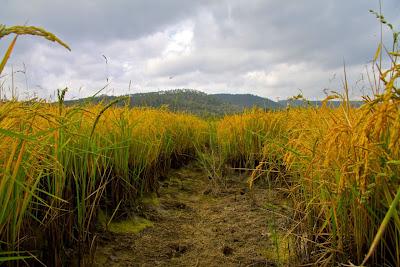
(227, 250)
(176, 205)
(176, 250)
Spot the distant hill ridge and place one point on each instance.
(200, 103)
(248, 100)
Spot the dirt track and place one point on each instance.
(194, 226)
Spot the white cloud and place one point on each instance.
(180, 42)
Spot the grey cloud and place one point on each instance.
(305, 30)
(271, 48)
(99, 20)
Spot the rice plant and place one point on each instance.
(343, 167)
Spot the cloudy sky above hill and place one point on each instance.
(266, 47)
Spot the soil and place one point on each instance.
(194, 223)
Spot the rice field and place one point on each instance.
(62, 167)
(58, 167)
(341, 171)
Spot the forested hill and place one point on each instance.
(202, 104)
(186, 100)
(248, 101)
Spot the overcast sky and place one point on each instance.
(270, 48)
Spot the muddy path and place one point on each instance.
(193, 223)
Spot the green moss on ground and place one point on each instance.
(150, 200)
(130, 226)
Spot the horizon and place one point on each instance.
(242, 47)
(211, 94)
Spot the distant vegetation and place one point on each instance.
(248, 101)
(184, 100)
(202, 104)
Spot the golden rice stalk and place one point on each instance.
(31, 30)
(8, 54)
(389, 214)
